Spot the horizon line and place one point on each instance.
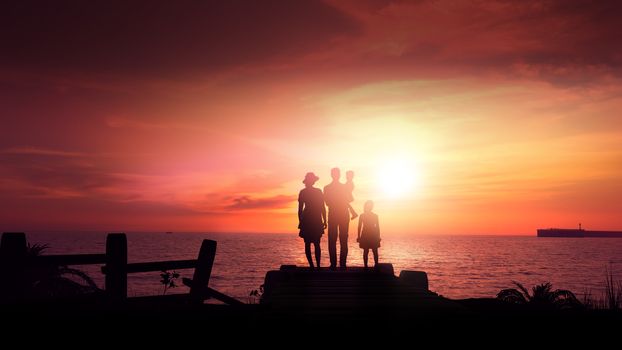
(255, 232)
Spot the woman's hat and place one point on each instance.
(310, 177)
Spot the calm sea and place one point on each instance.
(457, 266)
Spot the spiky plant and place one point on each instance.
(34, 250)
(541, 296)
(613, 292)
(56, 280)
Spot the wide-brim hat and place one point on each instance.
(310, 177)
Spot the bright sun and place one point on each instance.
(398, 177)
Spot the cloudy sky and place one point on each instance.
(492, 117)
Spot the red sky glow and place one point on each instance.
(205, 116)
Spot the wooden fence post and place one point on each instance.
(13, 252)
(13, 246)
(203, 270)
(116, 263)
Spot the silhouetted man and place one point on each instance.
(338, 200)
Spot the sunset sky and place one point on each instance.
(458, 117)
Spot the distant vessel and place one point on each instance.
(168, 232)
(577, 232)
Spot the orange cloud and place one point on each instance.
(508, 112)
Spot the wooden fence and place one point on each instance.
(14, 255)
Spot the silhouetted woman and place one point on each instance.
(311, 217)
(369, 236)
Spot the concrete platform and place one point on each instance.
(355, 290)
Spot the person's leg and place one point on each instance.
(332, 242)
(365, 256)
(318, 253)
(343, 241)
(308, 253)
(375, 250)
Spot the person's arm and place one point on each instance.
(326, 196)
(324, 215)
(378, 226)
(300, 205)
(358, 231)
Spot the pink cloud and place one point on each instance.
(249, 203)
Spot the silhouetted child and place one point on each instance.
(369, 233)
(350, 188)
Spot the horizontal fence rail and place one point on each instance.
(14, 256)
(158, 266)
(70, 259)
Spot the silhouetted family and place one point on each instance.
(337, 196)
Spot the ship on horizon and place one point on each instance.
(577, 233)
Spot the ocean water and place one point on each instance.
(457, 266)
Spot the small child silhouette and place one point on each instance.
(350, 188)
(368, 233)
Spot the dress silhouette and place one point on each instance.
(369, 232)
(311, 217)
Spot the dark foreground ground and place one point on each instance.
(481, 321)
(351, 305)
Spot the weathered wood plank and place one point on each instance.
(70, 259)
(13, 246)
(203, 270)
(116, 263)
(161, 266)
